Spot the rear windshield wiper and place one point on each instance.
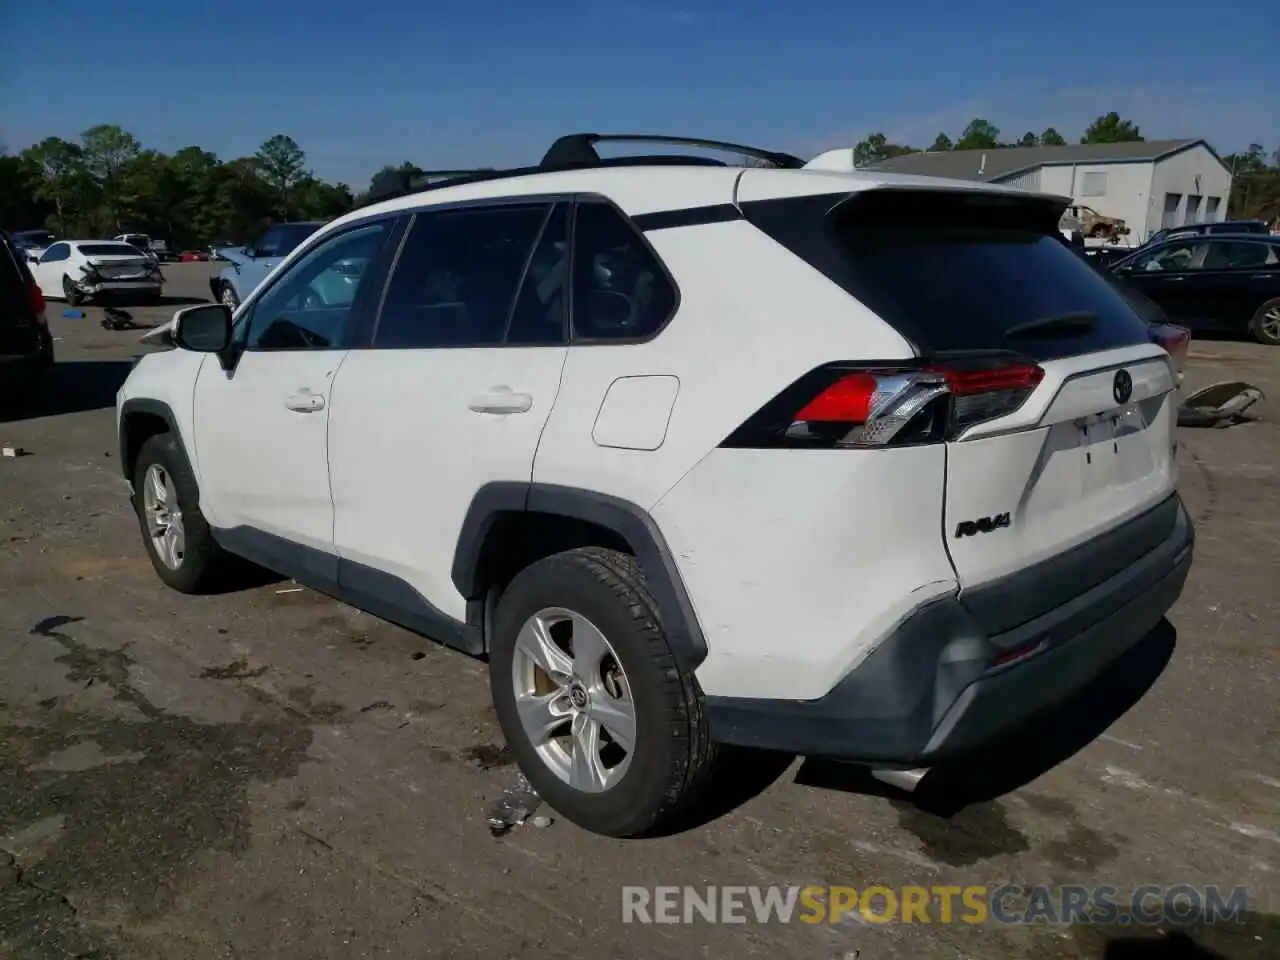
(1062, 325)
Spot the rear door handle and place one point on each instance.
(500, 400)
(304, 401)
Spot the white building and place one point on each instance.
(1150, 185)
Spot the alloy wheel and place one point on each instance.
(1271, 323)
(164, 516)
(573, 699)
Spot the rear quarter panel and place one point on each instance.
(751, 319)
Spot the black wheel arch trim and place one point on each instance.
(157, 408)
(629, 521)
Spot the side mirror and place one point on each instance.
(205, 328)
(33, 257)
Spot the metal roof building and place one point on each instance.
(1150, 184)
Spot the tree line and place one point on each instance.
(1255, 193)
(105, 182)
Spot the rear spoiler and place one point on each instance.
(841, 161)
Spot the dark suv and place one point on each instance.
(26, 348)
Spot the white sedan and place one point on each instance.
(75, 270)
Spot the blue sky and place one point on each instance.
(446, 83)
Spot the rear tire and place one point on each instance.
(189, 561)
(631, 792)
(1265, 325)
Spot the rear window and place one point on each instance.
(959, 272)
(109, 250)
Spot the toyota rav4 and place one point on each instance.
(786, 456)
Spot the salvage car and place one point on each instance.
(33, 241)
(26, 347)
(251, 264)
(79, 270)
(1227, 283)
(864, 531)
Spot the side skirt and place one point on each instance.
(373, 591)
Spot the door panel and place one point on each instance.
(263, 460)
(445, 401)
(261, 428)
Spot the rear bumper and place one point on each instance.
(121, 286)
(936, 688)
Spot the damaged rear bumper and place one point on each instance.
(964, 669)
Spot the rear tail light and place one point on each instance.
(36, 299)
(1175, 340)
(842, 407)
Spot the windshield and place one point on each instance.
(109, 250)
(34, 238)
(282, 239)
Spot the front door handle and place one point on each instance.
(305, 401)
(500, 400)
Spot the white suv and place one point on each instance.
(840, 464)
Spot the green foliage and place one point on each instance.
(1109, 128)
(1052, 138)
(1255, 194)
(941, 143)
(876, 148)
(106, 183)
(979, 135)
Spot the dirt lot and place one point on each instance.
(268, 773)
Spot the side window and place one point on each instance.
(59, 251)
(1226, 255)
(540, 312)
(1175, 257)
(620, 290)
(309, 306)
(455, 282)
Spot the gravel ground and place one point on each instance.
(269, 773)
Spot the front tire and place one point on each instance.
(228, 298)
(1265, 325)
(608, 726)
(69, 293)
(176, 535)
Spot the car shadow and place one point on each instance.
(1035, 747)
(1248, 936)
(71, 386)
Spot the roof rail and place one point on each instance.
(403, 181)
(579, 149)
(575, 151)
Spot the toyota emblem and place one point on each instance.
(1122, 386)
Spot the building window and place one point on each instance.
(1170, 218)
(1095, 185)
(1193, 209)
(1211, 209)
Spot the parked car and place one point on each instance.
(78, 270)
(33, 241)
(192, 256)
(26, 347)
(250, 265)
(216, 248)
(1208, 229)
(1212, 282)
(864, 530)
(1094, 224)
